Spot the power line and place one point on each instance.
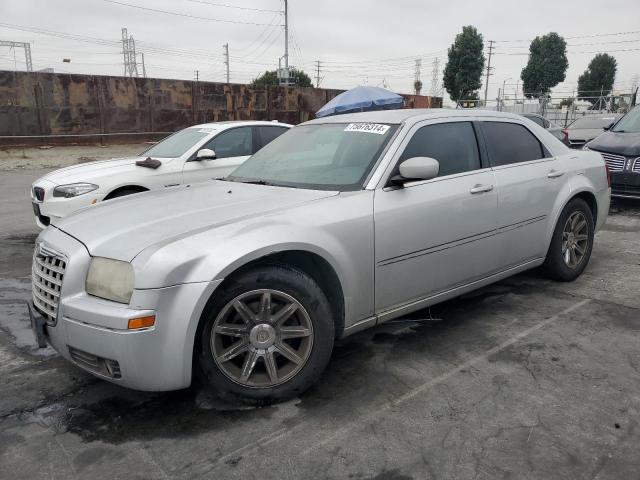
(212, 4)
(180, 14)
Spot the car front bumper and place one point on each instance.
(625, 184)
(92, 334)
(51, 209)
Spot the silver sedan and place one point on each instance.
(338, 225)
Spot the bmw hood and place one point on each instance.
(627, 144)
(123, 227)
(90, 171)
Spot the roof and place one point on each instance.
(237, 123)
(414, 114)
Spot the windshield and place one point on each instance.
(177, 144)
(630, 123)
(592, 122)
(335, 156)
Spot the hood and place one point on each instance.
(90, 171)
(627, 144)
(123, 227)
(585, 134)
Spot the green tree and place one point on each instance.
(270, 77)
(417, 86)
(463, 72)
(598, 77)
(547, 65)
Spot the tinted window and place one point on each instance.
(268, 134)
(536, 119)
(452, 144)
(236, 142)
(511, 143)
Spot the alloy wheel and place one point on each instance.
(575, 239)
(262, 338)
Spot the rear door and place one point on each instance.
(265, 134)
(232, 147)
(528, 181)
(436, 234)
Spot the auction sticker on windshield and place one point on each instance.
(376, 128)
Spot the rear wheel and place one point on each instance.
(268, 335)
(572, 242)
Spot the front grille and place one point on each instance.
(616, 162)
(94, 363)
(38, 193)
(636, 166)
(47, 274)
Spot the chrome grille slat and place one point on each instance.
(616, 163)
(47, 275)
(636, 166)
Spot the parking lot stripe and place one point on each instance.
(441, 378)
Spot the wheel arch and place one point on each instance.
(585, 194)
(137, 188)
(311, 263)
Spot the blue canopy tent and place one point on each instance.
(361, 99)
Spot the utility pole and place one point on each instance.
(197, 75)
(317, 73)
(283, 73)
(144, 70)
(417, 83)
(486, 85)
(27, 51)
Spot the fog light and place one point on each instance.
(142, 322)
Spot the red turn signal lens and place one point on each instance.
(142, 322)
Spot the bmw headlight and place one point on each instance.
(73, 189)
(110, 279)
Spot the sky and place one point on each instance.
(356, 41)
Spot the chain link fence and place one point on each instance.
(559, 109)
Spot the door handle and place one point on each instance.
(555, 174)
(480, 189)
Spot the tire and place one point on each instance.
(260, 337)
(123, 193)
(560, 263)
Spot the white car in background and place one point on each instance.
(195, 154)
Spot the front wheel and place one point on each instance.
(572, 242)
(268, 335)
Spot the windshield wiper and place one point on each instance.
(257, 182)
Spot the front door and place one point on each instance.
(232, 147)
(434, 235)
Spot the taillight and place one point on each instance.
(565, 134)
(606, 169)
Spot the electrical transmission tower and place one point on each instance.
(129, 53)
(318, 74)
(417, 83)
(225, 52)
(27, 52)
(436, 87)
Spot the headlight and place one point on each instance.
(110, 279)
(73, 189)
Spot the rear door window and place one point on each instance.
(266, 135)
(453, 144)
(509, 143)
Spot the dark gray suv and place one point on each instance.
(620, 147)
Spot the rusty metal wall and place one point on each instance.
(35, 103)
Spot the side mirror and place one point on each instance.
(417, 168)
(205, 154)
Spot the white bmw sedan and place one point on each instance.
(195, 154)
